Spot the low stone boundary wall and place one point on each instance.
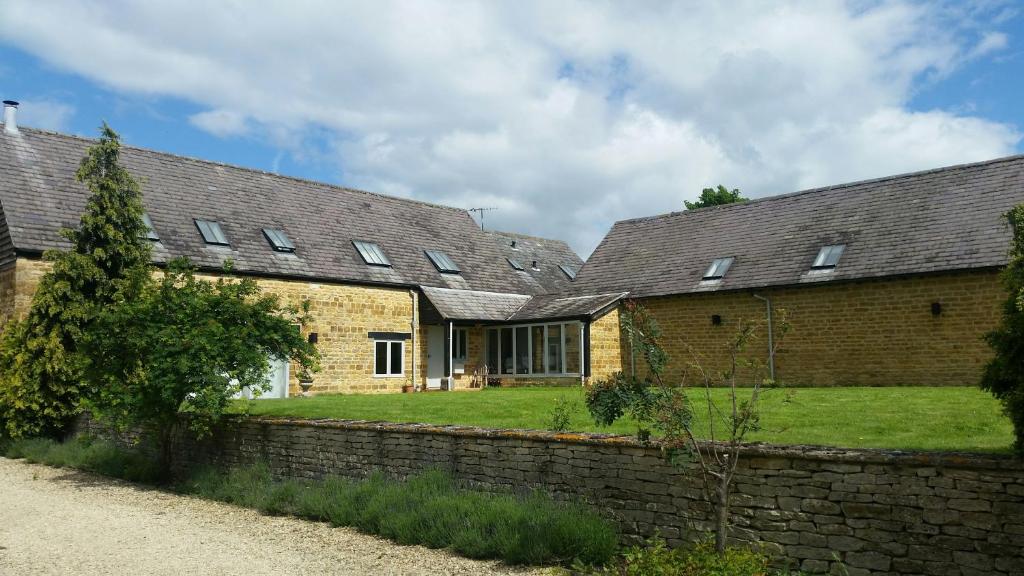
(878, 512)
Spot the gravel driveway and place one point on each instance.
(55, 521)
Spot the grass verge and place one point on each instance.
(905, 418)
(430, 509)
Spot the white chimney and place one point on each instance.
(10, 117)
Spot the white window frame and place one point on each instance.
(825, 253)
(718, 269)
(459, 362)
(388, 359)
(566, 326)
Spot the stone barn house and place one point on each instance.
(885, 282)
(400, 290)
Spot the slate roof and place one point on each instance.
(549, 306)
(547, 253)
(498, 307)
(926, 222)
(39, 195)
(474, 305)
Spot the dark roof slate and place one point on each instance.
(550, 306)
(39, 195)
(547, 253)
(934, 221)
(474, 305)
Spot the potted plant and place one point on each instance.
(305, 382)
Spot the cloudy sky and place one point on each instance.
(566, 116)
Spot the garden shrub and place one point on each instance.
(561, 415)
(1004, 373)
(86, 453)
(655, 558)
(430, 509)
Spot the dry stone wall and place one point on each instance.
(877, 512)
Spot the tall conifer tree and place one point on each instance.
(40, 366)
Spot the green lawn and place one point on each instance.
(913, 418)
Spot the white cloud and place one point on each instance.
(990, 42)
(221, 122)
(566, 115)
(45, 114)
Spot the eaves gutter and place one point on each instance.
(819, 283)
(38, 254)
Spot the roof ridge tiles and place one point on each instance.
(808, 191)
(526, 236)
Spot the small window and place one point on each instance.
(568, 271)
(718, 269)
(515, 264)
(442, 262)
(212, 233)
(459, 338)
(388, 357)
(371, 253)
(828, 257)
(150, 231)
(279, 241)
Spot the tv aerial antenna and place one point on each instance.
(481, 211)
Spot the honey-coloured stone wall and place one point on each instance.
(868, 333)
(342, 316)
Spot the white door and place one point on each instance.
(435, 357)
(278, 378)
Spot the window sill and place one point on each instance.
(389, 375)
(566, 375)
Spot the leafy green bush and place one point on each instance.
(1004, 373)
(86, 453)
(429, 509)
(655, 558)
(561, 414)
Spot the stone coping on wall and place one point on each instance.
(969, 460)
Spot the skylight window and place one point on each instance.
(718, 268)
(371, 253)
(150, 231)
(515, 264)
(212, 233)
(442, 262)
(568, 271)
(828, 257)
(279, 241)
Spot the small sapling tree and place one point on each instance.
(711, 437)
(178, 353)
(41, 366)
(1004, 374)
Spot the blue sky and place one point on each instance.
(565, 117)
(146, 120)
